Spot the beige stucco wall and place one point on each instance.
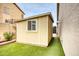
(14, 12)
(69, 16)
(5, 28)
(0, 11)
(39, 38)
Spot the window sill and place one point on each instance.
(32, 31)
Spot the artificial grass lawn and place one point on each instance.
(18, 49)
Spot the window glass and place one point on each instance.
(22, 16)
(31, 25)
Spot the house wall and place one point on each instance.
(0, 11)
(69, 17)
(39, 38)
(50, 29)
(5, 28)
(14, 12)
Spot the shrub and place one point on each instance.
(8, 36)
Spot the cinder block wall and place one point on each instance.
(69, 17)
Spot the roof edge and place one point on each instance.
(36, 16)
(18, 8)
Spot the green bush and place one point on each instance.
(8, 36)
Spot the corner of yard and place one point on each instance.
(18, 49)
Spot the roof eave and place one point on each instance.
(18, 7)
(36, 16)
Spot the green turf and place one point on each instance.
(18, 49)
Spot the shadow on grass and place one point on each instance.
(57, 39)
(51, 42)
(54, 40)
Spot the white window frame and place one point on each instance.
(36, 25)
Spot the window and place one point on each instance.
(6, 21)
(11, 21)
(22, 16)
(32, 25)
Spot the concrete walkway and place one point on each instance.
(7, 42)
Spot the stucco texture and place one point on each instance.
(69, 27)
(5, 28)
(13, 12)
(39, 38)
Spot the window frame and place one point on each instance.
(31, 25)
(22, 16)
